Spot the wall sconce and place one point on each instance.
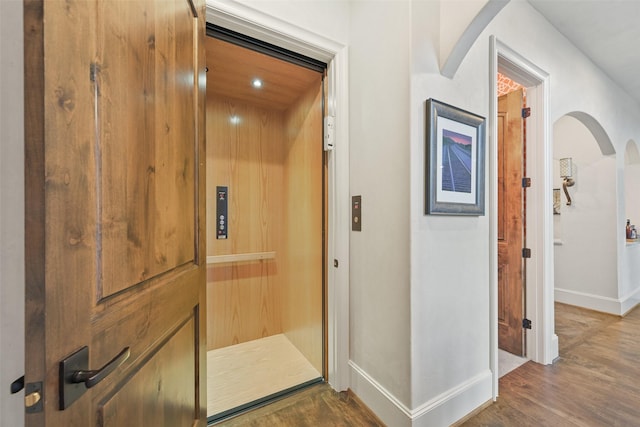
(566, 171)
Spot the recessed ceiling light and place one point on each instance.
(257, 83)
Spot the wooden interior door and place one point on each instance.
(510, 223)
(115, 212)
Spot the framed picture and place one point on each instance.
(455, 146)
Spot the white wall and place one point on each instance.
(630, 282)
(379, 260)
(450, 299)
(11, 212)
(586, 260)
(326, 18)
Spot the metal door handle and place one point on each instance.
(76, 378)
(91, 378)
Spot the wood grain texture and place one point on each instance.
(102, 285)
(244, 299)
(147, 185)
(232, 69)
(243, 373)
(593, 383)
(35, 218)
(253, 256)
(317, 405)
(510, 224)
(169, 406)
(302, 293)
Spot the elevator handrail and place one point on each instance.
(252, 256)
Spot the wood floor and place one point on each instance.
(242, 373)
(595, 382)
(316, 406)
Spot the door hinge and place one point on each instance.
(526, 112)
(526, 323)
(526, 253)
(17, 385)
(526, 182)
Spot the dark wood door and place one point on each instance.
(115, 209)
(510, 223)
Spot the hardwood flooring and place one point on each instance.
(316, 406)
(595, 381)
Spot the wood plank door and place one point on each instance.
(510, 223)
(115, 212)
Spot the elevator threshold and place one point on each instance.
(245, 375)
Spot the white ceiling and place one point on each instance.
(607, 31)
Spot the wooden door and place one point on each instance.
(115, 211)
(510, 223)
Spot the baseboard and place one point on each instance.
(445, 409)
(383, 403)
(629, 302)
(456, 403)
(590, 301)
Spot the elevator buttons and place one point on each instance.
(356, 213)
(222, 204)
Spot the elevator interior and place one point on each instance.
(265, 222)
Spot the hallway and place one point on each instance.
(595, 382)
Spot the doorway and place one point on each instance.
(266, 210)
(511, 150)
(541, 341)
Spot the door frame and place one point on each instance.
(541, 341)
(253, 23)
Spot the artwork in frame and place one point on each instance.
(455, 152)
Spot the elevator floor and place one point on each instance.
(243, 373)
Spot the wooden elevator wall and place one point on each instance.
(272, 163)
(302, 270)
(244, 298)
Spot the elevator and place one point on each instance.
(266, 222)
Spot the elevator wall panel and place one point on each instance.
(244, 152)
(302, 269)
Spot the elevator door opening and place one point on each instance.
(265, 225)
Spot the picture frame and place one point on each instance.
(455, 161)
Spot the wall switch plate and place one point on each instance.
(356, 213)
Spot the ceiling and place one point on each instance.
(607, 31)
(231, 70)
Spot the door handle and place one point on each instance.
(76, 377)
(91, 378)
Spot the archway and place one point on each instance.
(585, 231)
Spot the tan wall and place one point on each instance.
(272, 163)
(302, 285)
(243, 298)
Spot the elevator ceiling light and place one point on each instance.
(257, 83)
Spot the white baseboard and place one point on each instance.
(442, 410)
(384, 404)
(609, 305)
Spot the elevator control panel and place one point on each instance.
(356, 213)
(222, 204)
